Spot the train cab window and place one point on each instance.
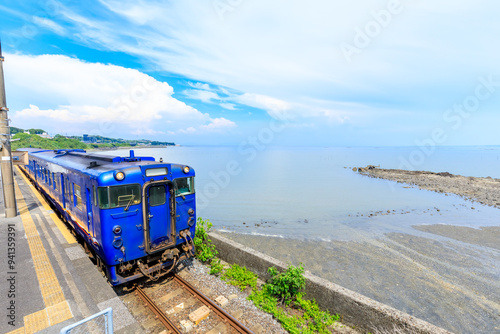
(77, 196)
(184, 186)
(119, 196)
(157, 195)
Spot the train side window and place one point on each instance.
(67, 191)
(184, 186)
(94, 195)
(54, 181)
(77, 192)
(103, 197)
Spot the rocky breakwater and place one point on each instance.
(485, 190)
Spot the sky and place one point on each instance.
(239, 72)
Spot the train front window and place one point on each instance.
(119, 196)
(184, 186)
(157, 195)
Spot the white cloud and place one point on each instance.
(219, 124)
(216, 125)
(199, 85)
(202, 95)
(275, 107)
(49, 24)
(228, 106)
(67, 94)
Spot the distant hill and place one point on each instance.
(14, 130)
(60, 142)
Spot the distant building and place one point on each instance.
(45, 135)
(27, 131)
(86, 138)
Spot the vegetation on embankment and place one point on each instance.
(282, 296)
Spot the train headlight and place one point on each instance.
(186, 169)
(117, 229)
(191, 212)
(119, 176)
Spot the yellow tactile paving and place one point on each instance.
(59, 312)
(36, 321)
(70, 239)
(41, 260)
(57, 309)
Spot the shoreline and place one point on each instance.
(127, 148)
(485, 190)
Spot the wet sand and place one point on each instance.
(454, 285)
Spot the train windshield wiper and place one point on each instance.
(129, 203)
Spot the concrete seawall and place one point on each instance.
(356, 310)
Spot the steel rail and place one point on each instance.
(156, 310)
(226, 317)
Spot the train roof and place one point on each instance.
(89, 163)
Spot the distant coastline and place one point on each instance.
(101, 149)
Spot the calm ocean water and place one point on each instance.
(308, 193)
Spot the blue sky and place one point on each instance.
(328, 73)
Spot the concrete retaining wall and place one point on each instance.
(355, 309)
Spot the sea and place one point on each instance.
(313, 192)
(435, 256)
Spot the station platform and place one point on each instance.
(48, 282)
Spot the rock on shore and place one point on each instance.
(485, 190)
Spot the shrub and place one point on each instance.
(205, 250)
(286, 285)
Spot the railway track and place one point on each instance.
(176, 306)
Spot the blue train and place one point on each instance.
(135, 215)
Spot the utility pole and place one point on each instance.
(9, 196)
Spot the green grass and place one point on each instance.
(312, 319)
(216, 268)
(240, 277)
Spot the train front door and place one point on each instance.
(159, 225)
